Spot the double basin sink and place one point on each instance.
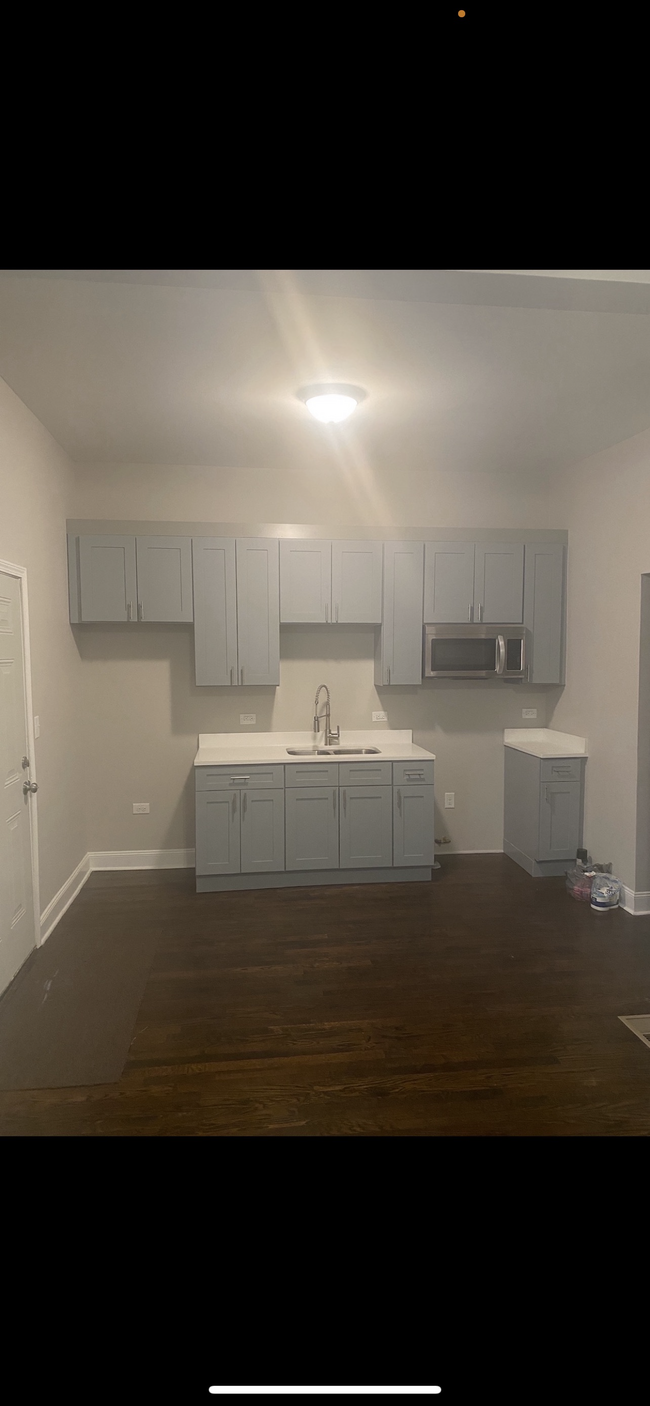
(332, 751)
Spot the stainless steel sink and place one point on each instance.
(332, 751)
(309, 751)
(354, 751)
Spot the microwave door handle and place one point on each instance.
(501, 647)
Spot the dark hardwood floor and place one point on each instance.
(482, 1004)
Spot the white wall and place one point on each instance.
(143, 711)
(605, 503)
(35, 497)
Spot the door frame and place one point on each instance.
(10, 569)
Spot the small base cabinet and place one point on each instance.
(313, 823)
(543, 811)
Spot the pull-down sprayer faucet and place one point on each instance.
(330, 736)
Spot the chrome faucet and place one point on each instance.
(330, 736)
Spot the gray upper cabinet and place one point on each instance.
(399, 652)
(107, 578)
(215, 610)
(448, 582)
(499, 583)
(357, 582)
(164, 578)
(544, 597)
(324, 582)
(305, 581)
(258, 610)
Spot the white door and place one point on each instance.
(17, 921)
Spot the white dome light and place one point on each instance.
(331, 407)
(331, 404)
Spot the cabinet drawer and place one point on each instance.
(224, 778)
(407, 773)
(562, 769)
(312, 774)
(368, 773)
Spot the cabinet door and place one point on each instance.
(499, 583)
(258, 610)
(366, 827)
(262, 831)
(544, 597)
(165, 578)
(357, 582)
(559, 820)
(217, 832)
(399, 654)
(305, 581)
(413, 825)
(215, 610)
(107, 578)
(312, 827)
(448, 582)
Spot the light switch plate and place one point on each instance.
(380, 717)
(37, 727)
(140, 807)
(529, 712)
(450, 799)
(248, 717)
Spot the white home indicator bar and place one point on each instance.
(325, 1390)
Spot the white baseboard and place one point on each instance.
(141, 859)
(109, 859)
(636, 903)
(62, 900)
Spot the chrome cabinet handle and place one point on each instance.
(244, 804)
(235, 780)
(334, 801)
(29, 786)
(345, 803)
(480, 612)
(399, 800)
(129, 610)
(469, 613)
(389, 673)
(327, 611)
(234, 804)
(337, 615)
(231, 674)
(241, 675)
(140, 610)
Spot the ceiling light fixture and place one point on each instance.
(331, 403)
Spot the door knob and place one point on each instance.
(29, 786)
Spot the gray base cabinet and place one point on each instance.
(543, 810)
(366, 827)
(413, 825)
(312, 827)
(262, 831)
(218, 832)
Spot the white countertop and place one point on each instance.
(543, 742)
(226, 748)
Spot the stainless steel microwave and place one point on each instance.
(474, 651)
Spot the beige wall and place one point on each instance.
(605, 503)
(143, 712)
(35, 498)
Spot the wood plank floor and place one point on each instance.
(482, 1004)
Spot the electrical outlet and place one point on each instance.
(529, 712)
(140, 807)
(37, 727)
(380, 717)
(248, 717)
(450, 799)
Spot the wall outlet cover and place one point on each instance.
(380, 717)
(248, 717)
(140, 807)
(450, 799)
(529, 712)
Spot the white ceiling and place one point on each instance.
(465, 370)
